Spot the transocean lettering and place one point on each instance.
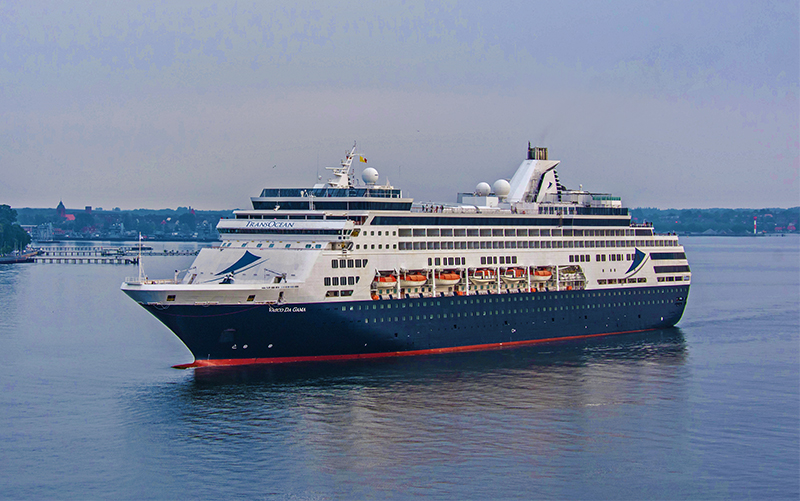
(269, 224)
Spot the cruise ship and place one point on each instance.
(352, 269)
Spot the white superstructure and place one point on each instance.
(341, 242)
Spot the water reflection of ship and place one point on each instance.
(540, 404)
(537, 405)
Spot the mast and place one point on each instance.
(341, 177)
(141, 270)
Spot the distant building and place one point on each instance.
(40, 233)
(62, 212)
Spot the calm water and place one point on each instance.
(90, 407)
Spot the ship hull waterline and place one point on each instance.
(242, 334)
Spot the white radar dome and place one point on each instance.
(501, 188)
(370, 175)
(483, 189)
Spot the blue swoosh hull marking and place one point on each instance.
(637, 260)
(243, 261)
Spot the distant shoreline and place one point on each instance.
(199, 241)
(188, 225)
(126, 240)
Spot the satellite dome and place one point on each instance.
(501, 188)
(370, 175)
(482, 189)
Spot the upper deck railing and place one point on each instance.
(330, 192)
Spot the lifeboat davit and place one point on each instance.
(447, 278)
(386, 281)
(513, 275)
(541, 276)
(482, 277)
(412, 280)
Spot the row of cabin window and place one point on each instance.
(272, 245)
(289, 216)
(372, 246)
(334, 281)
(349, 263)
(283, 231)
(595, 211)
(445, 221)
(673, 279)
(483, 313)
(680, 268)
(510, 298)
(503, 232)
(495, 260)
(667, 255)
(447, 261)
(585, 258)
(379, 305)
(604, 281)
(565, 244)
(380, 233)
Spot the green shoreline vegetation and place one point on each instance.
(12, 235)
(720, 221)
(181, 224)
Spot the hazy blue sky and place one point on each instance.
(165, 104)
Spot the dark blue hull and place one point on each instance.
(256, 333)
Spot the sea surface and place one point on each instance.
(91, 408)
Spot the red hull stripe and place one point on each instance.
(223, 362)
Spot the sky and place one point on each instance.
(152, 104)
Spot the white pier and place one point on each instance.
(100, 255)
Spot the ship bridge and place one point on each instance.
(328, 198)
(339, 194)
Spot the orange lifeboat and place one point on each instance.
(447, 278)
(541, 276)
(385, 281)
(412, 280)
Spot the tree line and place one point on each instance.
(182, 223)
(720, 221)
(12, 236)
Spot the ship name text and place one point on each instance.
(287, 309)
(269, 224)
